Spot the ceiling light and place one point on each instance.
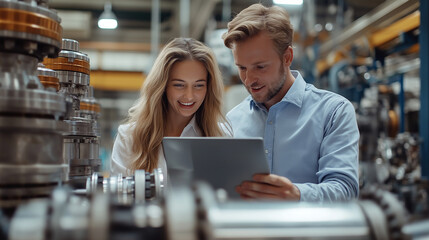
(107, 19)
(288, 2)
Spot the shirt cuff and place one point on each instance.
(307, 193)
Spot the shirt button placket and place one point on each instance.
(269, 139)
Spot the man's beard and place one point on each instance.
(274, 91)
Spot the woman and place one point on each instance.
(181, 96)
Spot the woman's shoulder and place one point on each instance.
(126, 129)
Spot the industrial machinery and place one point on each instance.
(81, 139)
(375, 63)
(201, 214)
(48, 77)
(49, 136)
(31, 162)
(140, 187)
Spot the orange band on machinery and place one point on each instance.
(90, 107)
(49, 81)
(63, 64)
(30, 22)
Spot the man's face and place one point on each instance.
(261, 69)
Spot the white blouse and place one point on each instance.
(122, 155)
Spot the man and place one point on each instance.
(310, 135)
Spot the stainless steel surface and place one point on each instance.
(82, 127)
(180, 212)
(139, 188)
(22, 144)
(36, 213)
(417, 230)
(157, 183)
(81, 148)
(17, 72)
(74, 55)
(70, 44)
(282, 220)
(43, 71)
(196, 213)
(81, 80)
(32, 102)
(248, 221)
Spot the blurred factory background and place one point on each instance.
(347, 46)
(70, 89)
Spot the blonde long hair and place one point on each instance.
(147, 116)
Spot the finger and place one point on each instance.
(245, 197)
(254, 186)
(273, 179)
(263, 188)
(286, 191)
(238, 189)
(259, 195)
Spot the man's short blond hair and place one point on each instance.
(257, 18)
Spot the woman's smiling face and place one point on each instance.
(186, 88)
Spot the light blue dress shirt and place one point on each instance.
(311, 137)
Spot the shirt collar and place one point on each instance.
(191, 129)
(294, 95)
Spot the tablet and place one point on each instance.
(221, 162)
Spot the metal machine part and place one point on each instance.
(29, 28)
(389, 159)
(418, 230)
(138, 188)
(48, 77)
(81, 139)
(89, 106)
(31, 163)
(199, 214)
(396, 215)
(72, 67)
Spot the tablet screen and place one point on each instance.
(221, 162)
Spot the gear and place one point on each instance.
(395, 213)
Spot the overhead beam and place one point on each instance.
(117, 4)
(116, 46)
(201, 11)
(383, 15)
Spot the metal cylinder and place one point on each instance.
(31, 162)
(30, 29)
(139, 188)
(198, 214)
(250, 220)
(81, 139)
(48, 77)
